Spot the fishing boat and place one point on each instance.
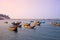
(37, 23)
(27, 25)
(16, 23)
(56, 23)
(13, 28)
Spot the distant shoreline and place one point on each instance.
(31, 19)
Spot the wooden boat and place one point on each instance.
(28, 26)
(16, 23)
(32, 27)
(13, 28)
(55, 23)
(37, 23)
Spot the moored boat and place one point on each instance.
(55, 23)
(16, 23)
(37, 23)
(13, 28)
(27, 25)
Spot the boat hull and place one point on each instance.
(13, 28)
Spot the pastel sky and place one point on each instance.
(30, 8)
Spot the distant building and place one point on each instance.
(2, 17)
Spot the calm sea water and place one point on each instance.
(45, 31)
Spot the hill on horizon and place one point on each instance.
(2, 17)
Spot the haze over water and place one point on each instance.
(30, 8)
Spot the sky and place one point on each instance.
(18, 9)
